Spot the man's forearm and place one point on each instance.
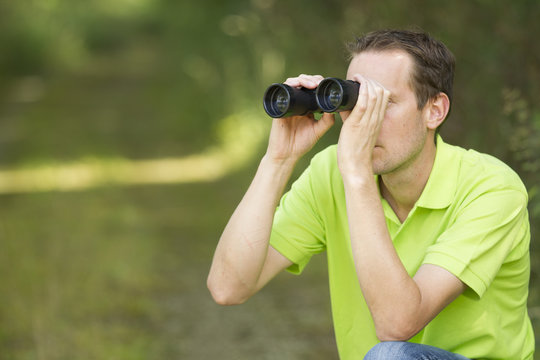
(391, 294)
(243, 246)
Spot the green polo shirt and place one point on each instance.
(471, 220)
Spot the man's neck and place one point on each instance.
(403, 187)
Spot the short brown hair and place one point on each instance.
(433, 69)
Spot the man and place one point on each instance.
(429, 257)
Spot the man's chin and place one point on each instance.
(377, 161)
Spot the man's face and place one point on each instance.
(403, 132)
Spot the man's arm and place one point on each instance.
(400, 305)
(243, 261)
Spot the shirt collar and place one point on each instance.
(441, 186)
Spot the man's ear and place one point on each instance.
(437, 109)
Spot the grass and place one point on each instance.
(120, 273)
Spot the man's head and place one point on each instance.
(417, 71)
(433, 69)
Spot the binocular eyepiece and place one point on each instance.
(332, 94)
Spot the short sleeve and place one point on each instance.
(298, 231)
(483, 235)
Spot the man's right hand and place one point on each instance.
(292, 137)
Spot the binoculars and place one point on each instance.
(332, 94)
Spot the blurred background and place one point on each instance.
(130, 129)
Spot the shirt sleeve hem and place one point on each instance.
(458, 268)
(293, 254)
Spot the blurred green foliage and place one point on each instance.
(102, 273)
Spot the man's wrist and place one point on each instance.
(279, 164)
(359, 178)
(278, 171)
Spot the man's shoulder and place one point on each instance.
(323, 173)
(327, 155)
(324, 162)
(485, 171)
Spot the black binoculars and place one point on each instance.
(331, 95)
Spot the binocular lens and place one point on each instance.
(281, 100)
(336, 94)
(277, 100)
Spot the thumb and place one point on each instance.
(324, 123)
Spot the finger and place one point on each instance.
(344, 115)
(386, 100)
(315, 78)
(373, 100)
(379, 93)
(303, 80)
(368, 101)
(293, 82)
(324, 123)
(384, 103)
(361, 103)
(383, 96)
(310, 81)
